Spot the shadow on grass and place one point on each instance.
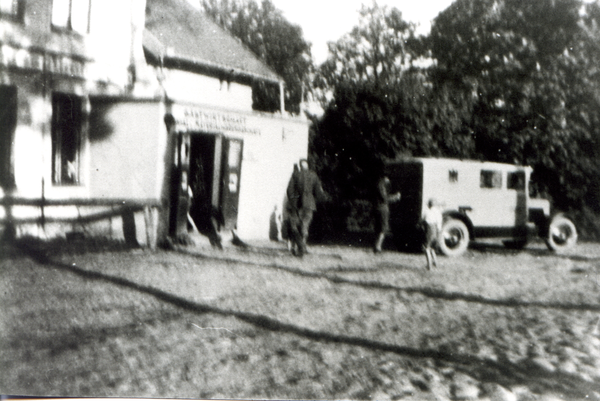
(61, 246)
(502, 250)
(504, 372)
(425, 291)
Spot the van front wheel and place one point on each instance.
(454, 238)
(562, 234)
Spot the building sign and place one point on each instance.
(51, 63)
(191, 119)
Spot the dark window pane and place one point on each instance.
(490, 179)
(516, 180)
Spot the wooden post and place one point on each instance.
(150, 217)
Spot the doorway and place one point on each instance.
(210, 166)
(204, 208)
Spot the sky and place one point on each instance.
(325, 21)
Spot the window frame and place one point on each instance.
(453, 176)
(511, 182)
(16, 13)
(488, 179)
(68, 25)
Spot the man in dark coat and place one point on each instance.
(382, 211)
(304, 190)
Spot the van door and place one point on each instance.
(494, 206)
(230, 181)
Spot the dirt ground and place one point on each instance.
(97, 319)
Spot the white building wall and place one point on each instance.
(272, 144)
(183, 86)
(128, 145)
(267, 166)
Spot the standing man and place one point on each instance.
(382, 211)
(303, 192)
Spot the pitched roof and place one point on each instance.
(187, 38)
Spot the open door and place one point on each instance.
(180, 199)
(230, 181)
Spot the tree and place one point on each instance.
(531, 72)
(275, 40)
(376, 51)
(378, 105)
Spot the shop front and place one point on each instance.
(231, 168)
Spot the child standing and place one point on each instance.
(433, 226)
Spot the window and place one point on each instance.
(8, 124)
(490, 179)
(12, 9)
(516, 180)
(453, 176)
(72, 15)
(66, 138)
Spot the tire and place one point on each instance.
(562, 234)
(454, 238)
(518, 243)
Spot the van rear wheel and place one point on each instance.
(454, 238)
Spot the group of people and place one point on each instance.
(304, 190)
(432, 220)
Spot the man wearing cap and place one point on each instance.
(303, 192)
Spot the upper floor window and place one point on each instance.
(12, 9)
(490, 179)
(72, 15)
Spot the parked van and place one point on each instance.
(478, 199)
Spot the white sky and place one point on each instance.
(325, 21)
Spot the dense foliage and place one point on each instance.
(507, 81)
(379, 104)
(532, 71)
(263, 28)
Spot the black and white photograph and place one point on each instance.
(384, 200)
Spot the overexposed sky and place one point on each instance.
(325, 21)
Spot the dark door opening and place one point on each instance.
(204, 206)
(8, 124)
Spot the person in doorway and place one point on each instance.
(382, 211)
(432, 219)
(292, 214)
(287, 213)
(205, 216)
(303, 192)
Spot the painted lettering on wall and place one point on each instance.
(51, 63)
(192, 119)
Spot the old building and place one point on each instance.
(113, 110)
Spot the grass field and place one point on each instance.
(341, 323)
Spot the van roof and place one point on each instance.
(439, 161)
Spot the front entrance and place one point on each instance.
(204, 173)
(211, 166)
